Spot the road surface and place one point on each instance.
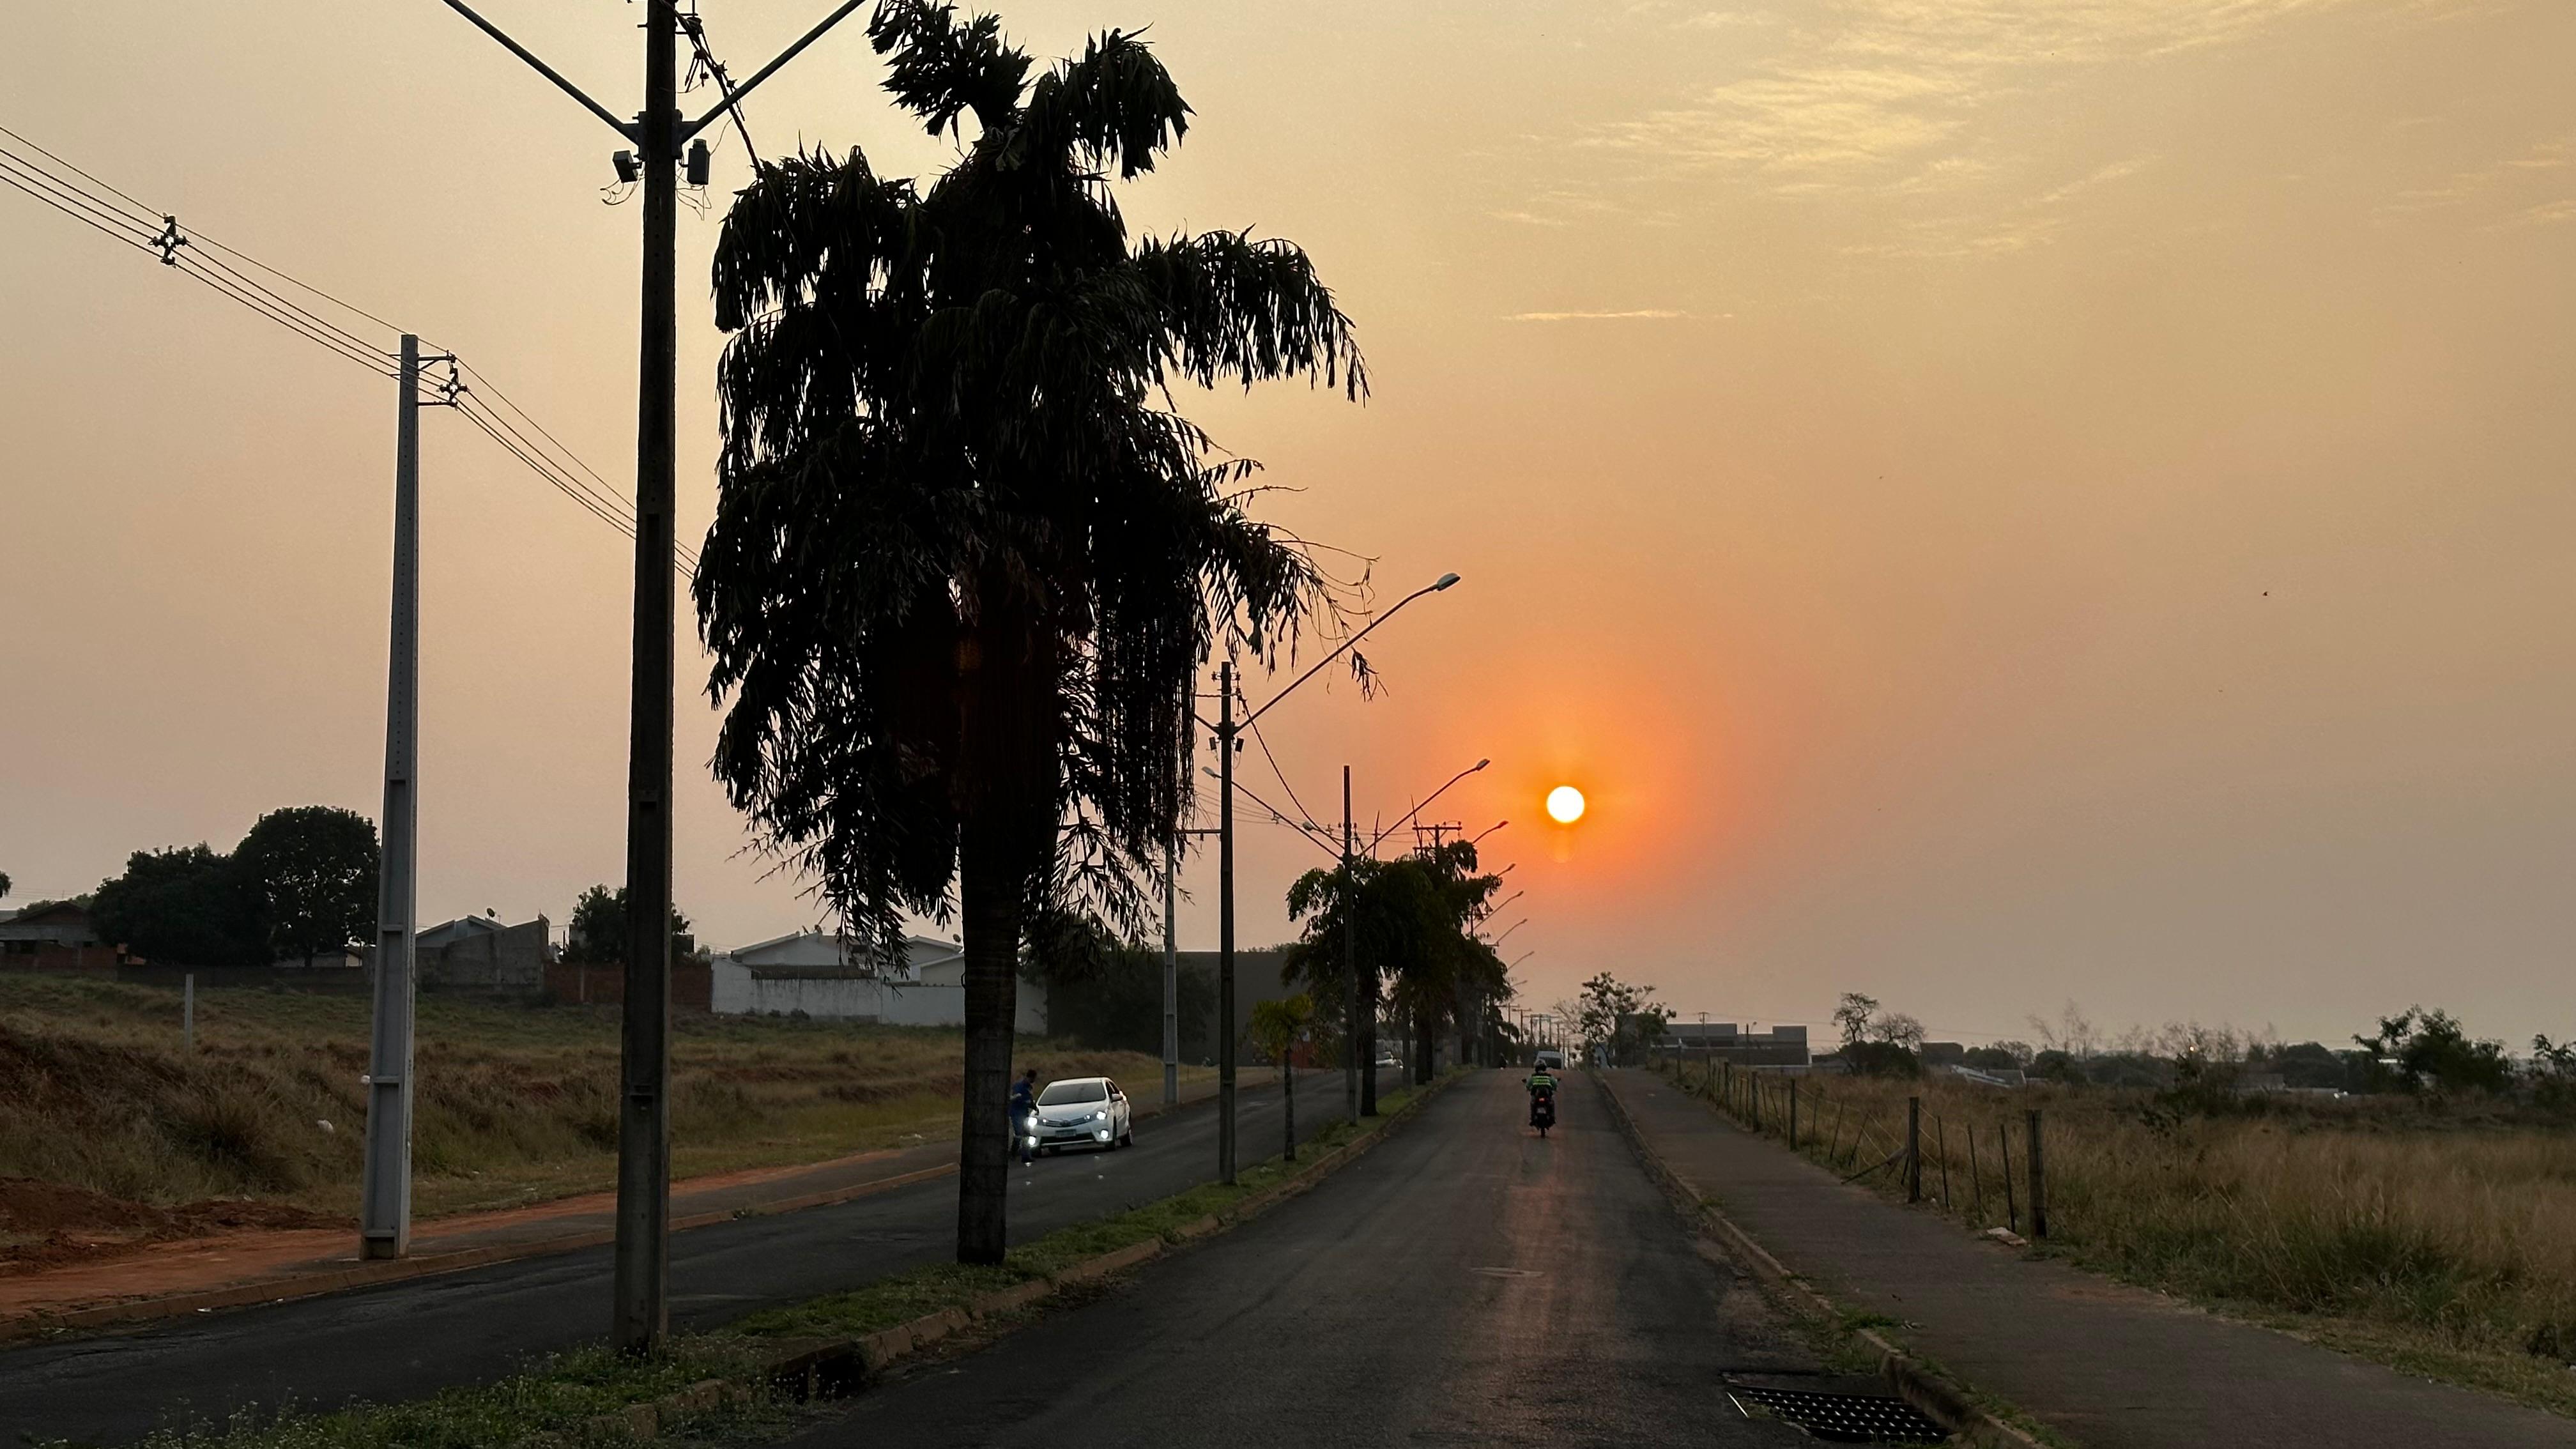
(410, 1339)
(1464, 1283)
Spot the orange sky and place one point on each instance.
(2054, 499)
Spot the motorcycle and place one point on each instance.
(1542, 1111)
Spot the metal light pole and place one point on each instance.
(1171, 974)
(384, 1188)
(1226, 729)
(1225, 928)
(642, 1255)
(1354, 1065)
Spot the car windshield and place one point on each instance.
(1058, 1094)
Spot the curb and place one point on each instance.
(832, 1368)
(402, 1270)
(1938, 1397)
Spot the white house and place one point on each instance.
(814, 972)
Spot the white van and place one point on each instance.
(1550, 1059)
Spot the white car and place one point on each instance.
(1083, 1112)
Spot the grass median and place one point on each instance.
(565, 1398)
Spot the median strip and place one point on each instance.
(823, 1348)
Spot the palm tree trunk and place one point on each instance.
(988, 890)
(1424, 1029)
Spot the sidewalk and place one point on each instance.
(2104, 1364)
(168, 1279)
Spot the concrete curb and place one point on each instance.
(403, 1270)
(830, 1368)
(1939, 1398)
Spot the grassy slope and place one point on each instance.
(2440, 1242)
(516, 1104)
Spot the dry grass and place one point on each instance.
(516, 1103)
(2441, 1242)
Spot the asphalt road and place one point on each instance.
(410, 1339)
(1465, 1283)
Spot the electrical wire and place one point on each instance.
(1282, 776)
(121, 217)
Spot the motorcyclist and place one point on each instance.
(1024, 1110)
(1542, 1086)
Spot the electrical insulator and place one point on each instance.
(698, 163)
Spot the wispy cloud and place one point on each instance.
(2548, 165)
(1654, 314)
(1920, 101)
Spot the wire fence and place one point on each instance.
(1989, 1168)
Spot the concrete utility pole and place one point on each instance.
(643, 1251)
(641, 1314)
(1171, 972)
(1225, 926)
(384, 1191)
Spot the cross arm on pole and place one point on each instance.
(632, 135)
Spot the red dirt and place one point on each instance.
(53, 1225)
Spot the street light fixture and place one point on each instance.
(1228, 730)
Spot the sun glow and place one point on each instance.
(1565, 804)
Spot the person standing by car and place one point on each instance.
(1024, 1110)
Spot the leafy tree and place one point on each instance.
(1413, 922)
(2430, 1049)
(312, 871)
(2003, 1056)
(185, 907)
(967, 560)
(1616, 1020)
(4, 885)
(1277, 1026)
(598, 933)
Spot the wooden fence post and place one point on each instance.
(2038, 1181)
(2003, 1144)
(1793, 1114)
(1914, 1149)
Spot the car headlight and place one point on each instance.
(1100, 1116)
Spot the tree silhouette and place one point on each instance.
(967, 558)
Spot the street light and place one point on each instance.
(1228, 730)
(1425, 805)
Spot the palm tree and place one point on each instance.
(1413, 920)
(1276, 1025)
(967, 558)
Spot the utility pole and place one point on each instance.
(643, 1252)
(1354, 1064)
(384, 1192)
(1171, 973)
(641, 1313)
(1225, 926)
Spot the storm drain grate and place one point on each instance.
(1842, 1418)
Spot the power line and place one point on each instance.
(121, 217)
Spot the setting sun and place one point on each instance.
(1565, 804)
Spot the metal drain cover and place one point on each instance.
(1841, 1418)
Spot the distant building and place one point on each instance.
(817, 974)
(478, 953)
(1726, 1041)
(55, 937)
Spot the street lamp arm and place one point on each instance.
(1443, 582)
(1425, 805)
(550, 73)
(734, 95)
